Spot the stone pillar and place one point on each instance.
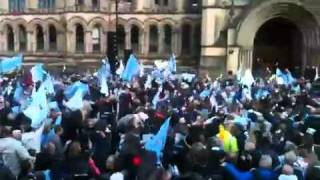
(173, 5)
(88, 42)
(145, 49)
(70, 5)
(103, 42)
(160, 40)
(231, 37)
(232, 59)
(104, 5)
(88, 5)
(31, 43)
(208, 33)
(3, 41)
(31, 5)
(127, 39)
(180, 4)
(46, 40)
(139, 5)
(62, 41)
(177, 40)
(70, 41)
(245, 58)
(141, 42)
(148, 4)
(16, 40)
(60, 5)
(4, 6)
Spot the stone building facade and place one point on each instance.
(74, 32)
(208, 35)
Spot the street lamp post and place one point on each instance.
(113, 42)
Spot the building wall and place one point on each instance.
(66, 15)
(229, 28)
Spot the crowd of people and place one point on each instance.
(224, 128)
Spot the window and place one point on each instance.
(153, 39)
(79, 5)
(95, 5)
(10, 39)
(52, 38)
(40, 39)
(166, 2)
(46, 4)
(79, 38)
(96, 39)
(121, 39)
(135, 38)
(16, 5)
(186, 39)
(167, 38)
(22, 38)
(157, 2)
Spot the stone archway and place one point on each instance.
(290, 10)
(277, 43)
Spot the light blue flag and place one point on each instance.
(18, 93)
(132, 68)
(15, 109)
(156, 98)
(48, 85)
(247, 79)
(241, 120)
(148, 83)
(172, 64)
(39, 98)
(47, 175)
(104, 71)
(204, 94)
(37, 72)
(58, 121)
(8, 65)
(290, 78)
(76, 102)
(282, 78)
(36, 114)
(72, 89)
(38, 109)
(261, 94)
(157, 143)
(104, 89)
(296, 89)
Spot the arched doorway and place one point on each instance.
(277, 43)
(270, 19)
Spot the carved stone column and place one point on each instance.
(46, 40)
(160, 40)
(16, 40)
(245, 58)
(128, 39)
(177, 40)
(146, 41)
(88, 42)
(31, 44)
